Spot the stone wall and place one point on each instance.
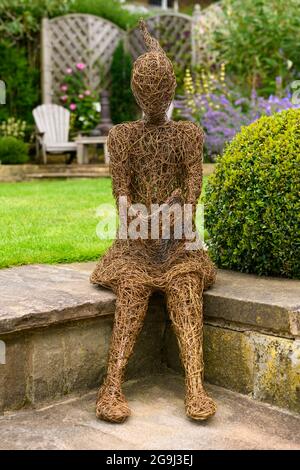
(44, 364)
(263, 366)
(251, 337)
(56, 328)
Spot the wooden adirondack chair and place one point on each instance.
(169, 112)
(53, 125)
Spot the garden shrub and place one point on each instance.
(122, 103)
(111, 10)
(13, 151)
(260, 40)
(252, 200)
(22, 83)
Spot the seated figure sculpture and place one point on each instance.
(155, 161)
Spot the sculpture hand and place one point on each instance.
(175, 198)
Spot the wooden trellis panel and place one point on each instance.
(69, 39)
(173, 30)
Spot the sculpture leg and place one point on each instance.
(184, 299)
(131, 308)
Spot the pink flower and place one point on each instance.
(64, 98)
(80, 66)
(81, 96)
(73, 106)
(69, 71)
(87, 92)
(64, 88)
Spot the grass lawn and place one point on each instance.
(51, 221)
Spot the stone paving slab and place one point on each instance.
(158, 422)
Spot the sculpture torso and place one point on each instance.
(155, 160)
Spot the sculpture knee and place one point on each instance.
(185, 289)
(132, 301)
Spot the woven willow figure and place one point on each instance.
(155, 160)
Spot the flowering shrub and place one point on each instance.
(208, 20)
(13, 128)
(211, 102)
(76, 96)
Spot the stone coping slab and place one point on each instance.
(40, 295)
(264, 303)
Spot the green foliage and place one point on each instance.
(13, 151)
(13, 128)
(22, 83)
(20, 24)
(21, 19)
(252, 199)
(260, 40)
(111, 10)
(122, 103)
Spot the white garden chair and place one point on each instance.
(53, 125)
(169, 112)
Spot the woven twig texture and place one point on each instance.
(155, 161)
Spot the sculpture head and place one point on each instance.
(153, 80)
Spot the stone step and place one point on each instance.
(69, 171)
(158, 421)
(64, 175)
(55, 328)
(31, 172)
(71, 168)
(58, 170)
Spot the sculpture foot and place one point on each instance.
(111, 405)
(199, 406)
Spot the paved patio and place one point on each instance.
(158, 422)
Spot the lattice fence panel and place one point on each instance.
(173, 30)
(75, 38)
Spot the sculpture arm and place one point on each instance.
(119, 164)
(193, 163)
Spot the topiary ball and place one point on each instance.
(13, 151)
(253, 199)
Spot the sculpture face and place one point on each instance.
(153, 83)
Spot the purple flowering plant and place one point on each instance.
(76, 95)
(211, 101)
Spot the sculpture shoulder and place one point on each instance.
(190, 130)
(123, 131)
(120, 131)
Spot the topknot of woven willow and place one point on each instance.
(151, 43)
(153, 80)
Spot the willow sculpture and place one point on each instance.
(155, 161)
